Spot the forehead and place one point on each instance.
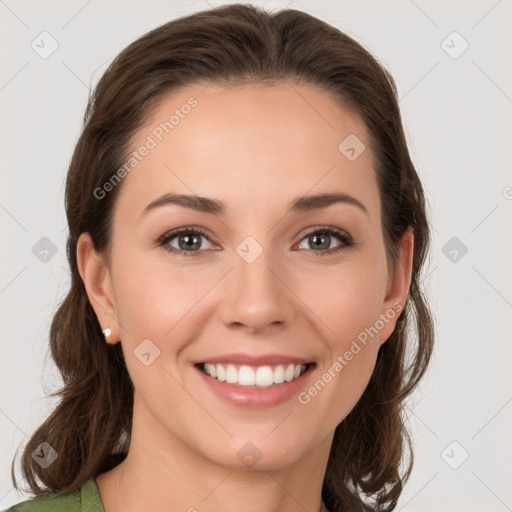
(252, 145)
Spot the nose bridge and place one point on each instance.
(255, 296)
(253, 263)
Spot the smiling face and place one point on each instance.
(254, 274)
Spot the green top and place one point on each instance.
(85, 499)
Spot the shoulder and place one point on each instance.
(86, 498)
(68, 501)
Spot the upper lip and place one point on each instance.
(252, 360)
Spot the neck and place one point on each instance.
(160, 470)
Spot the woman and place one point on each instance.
(246, 228)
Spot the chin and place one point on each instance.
(258, 452)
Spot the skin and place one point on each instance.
(254, 148)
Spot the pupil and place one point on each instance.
(325, 238)
(191, 241)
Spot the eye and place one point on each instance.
(188, 241)
(321, 239)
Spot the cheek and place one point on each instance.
(152, 296)
(348, 301)
(156, 303)
(352, 348)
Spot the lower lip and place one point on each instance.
(255, 398)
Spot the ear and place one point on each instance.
(97, 281)
(398, 286)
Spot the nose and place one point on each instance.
(255, 296)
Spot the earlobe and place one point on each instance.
(97, 281)
(399, 284)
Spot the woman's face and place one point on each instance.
(255, 286)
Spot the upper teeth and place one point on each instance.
(254, 376)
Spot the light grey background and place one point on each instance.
(457, 114)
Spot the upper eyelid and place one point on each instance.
(168, 235)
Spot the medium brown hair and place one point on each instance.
(371, 455)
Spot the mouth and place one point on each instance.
(256, 377)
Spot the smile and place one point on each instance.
(254, 376)
(255, 381)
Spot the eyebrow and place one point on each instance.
(215, 207)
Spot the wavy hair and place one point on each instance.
(371, 455)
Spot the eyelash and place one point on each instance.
(342, 236)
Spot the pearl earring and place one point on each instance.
(107, 332)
